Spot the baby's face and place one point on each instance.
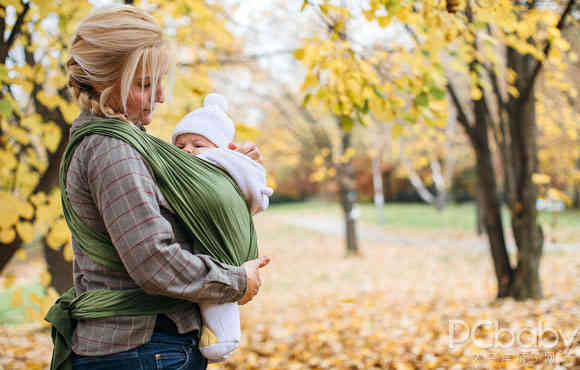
(193, 143)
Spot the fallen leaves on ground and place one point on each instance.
(389, 308)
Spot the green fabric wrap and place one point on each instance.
(96, 304)
(206, 199)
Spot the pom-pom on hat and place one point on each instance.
(210, 121)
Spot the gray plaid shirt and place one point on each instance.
(113, 190)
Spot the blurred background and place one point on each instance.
(425, 159)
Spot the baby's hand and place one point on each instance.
(249, 149)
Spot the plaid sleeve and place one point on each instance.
(128, 199)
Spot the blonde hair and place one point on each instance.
(108, 46)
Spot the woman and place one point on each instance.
(118, 58)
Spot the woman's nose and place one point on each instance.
(159, 94)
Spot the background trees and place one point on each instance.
(355, 102)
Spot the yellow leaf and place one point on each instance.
(21, 254)
(9, 280)
(10, 210)
(16, 299)
(540, 179)
(45, 278)
(26, 210)
(318, 160)
(298, 54)
(68, 252)
(369, 15)
(311, 80)
(7, 235)
(51, 136)
(397, 130)
(385, 20)
(34, 298)
(511, 75)
(350, 152)
(513, 91)
(58, 235)
(19, 134)
(26, 231)
(557, 194)
(8, 160)
(30, 314)
(38, 198)
(476, 93)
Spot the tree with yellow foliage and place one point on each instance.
(503, 103)
(35, 115)
(498, 48)
(351, 86)
(36, 111)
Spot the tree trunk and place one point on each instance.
(489, 201)
(378, 197)
(479, 215)
(7, 251)
(576, 201)
(59, 268)
(527, 233)
(347, 193)
(492, 221)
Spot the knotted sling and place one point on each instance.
(206, 199)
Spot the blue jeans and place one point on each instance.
(164, 351)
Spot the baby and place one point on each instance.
(206, 133)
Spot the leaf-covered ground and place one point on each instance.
(389, 308)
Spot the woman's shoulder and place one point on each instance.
(96, 144)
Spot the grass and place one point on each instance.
(415, 216)
(14, 315)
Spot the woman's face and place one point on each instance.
(139, 107)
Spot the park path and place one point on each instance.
(333, 225)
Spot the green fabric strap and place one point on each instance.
(206, 199)
(96, 304)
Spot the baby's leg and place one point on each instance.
(221, 331)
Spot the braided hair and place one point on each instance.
(106, 50)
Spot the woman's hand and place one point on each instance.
(253, 278)
(249, 149)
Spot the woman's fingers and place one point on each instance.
(254, 281)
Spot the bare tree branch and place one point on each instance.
(461, 117)
(2, 24)
(242, 59)
(6, 45)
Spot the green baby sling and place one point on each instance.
(206, 199)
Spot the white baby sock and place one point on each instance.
(221, 331)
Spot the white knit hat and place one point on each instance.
(210, 121)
